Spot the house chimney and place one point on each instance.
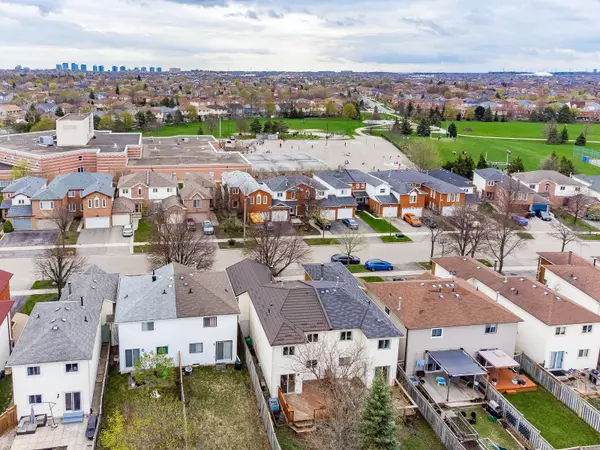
(85, 318)
(81, 301)
(70, 291)
(399, 304)
(594, 262)
(570, 257)
(190, 290)
(153, 275)
(322, 271)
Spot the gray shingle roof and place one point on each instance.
(197, 183)
(287, 182)
(412, 176)
(246, 274)
(489, 174)
(335, 201)
(148, 178)
(64, 330)
(27, 186)
(346, 176)
(450, 177)
(20, 211)
(88, 182)
(123, 205)
(538, 176)
(386, 199)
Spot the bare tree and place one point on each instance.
(468, 229)
(563, 233)
(351, 241)
(172, 241)
(424, 154)
(276, 246)
(61, 217)
(211, 124)
(437, 226)
(57, 264)
(577, 206)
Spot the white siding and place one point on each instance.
(20, 197)
(479, 182)
(264, 351)
(4, 341)
(565, 288)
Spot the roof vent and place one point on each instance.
(457, 296)
(181, 277)
(478, 267)
(164, 291)
(63, 320)
(464, 259)
(190, 291)
(185, 284)
(170, 285)
(53, 320)
(574, 278)
(557, 297)
(441, 295)
(67, 308)
(534, 286)
(512, 288)
(85, 318)
(545, 293)
(54, 328)
(422, 284)
(57, 309)
(522, 279)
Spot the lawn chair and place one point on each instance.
(440, 381)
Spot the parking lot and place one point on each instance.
(29, 238)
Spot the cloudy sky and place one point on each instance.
(360, 35)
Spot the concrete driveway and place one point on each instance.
(101, 236)
(29, 238)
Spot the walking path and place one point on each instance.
(34, 291)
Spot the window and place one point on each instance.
(234, 204)
(289, 351)
(586, 329)
(72, 367)
(491, 183)
(162, 350)
(312, 337)
(224, 350)
(344, 361)
(307, 195)
(280, 195)
(522, 196)
(196, 347)
(346, 336)
(174, 174)
(139, 191)
(384, 344)
(197, 203)
(382, 191)
(21, 201)
(577, 189)
(387, 310)
(104, 203)
(293, 195)
(80, 158)
(80, 169)
(311, 364)
(264, 199)
(491, 328)
(147, 326)
(81, 206)
(131, 357)
(252, 200)
(96, 202)
(547, 187)
(73, 401)
(532, 186)
(46, 205)
(436, 332)
(154, 190)
(72, 207)
(210, 322)
(71, 194)
(562, 188)
(34, 370)
(413, 198)
(583, 353)
(258, 199)
(449, 197)
(125, 191)
(363, 185)
(89, 203)
(34, 399)
(235, 191)
(560, 331)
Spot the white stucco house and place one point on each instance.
(55, 361)
(302, 329)
(555, 331)
(179, 312)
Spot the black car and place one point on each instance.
(399, 279)
(429, 222)
(338, 257)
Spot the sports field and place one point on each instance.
(521, 129)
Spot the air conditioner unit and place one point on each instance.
(46, 141)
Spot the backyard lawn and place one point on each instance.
(37, 298)
(520, 129)
(5, 393)
(558, 424)
(144, 230)
(378, 225)
(492, 430)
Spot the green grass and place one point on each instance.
(356, 268)
(372, 279)
(579, 226)
(321, 241)
(589, 237)
(5, 393)
(226, 246)
(221, 234)
(141, 248)
(418, 435)
(307, 229)
(393, 239)
(337, 125)
(525, 235)
(492, 430)
(144, 230)
(521, 129)
(72, 234)
(485, 262)
(425, 265)
(558, 424)
(378, 225)
(43, 284)
(595, 402)
(289, 440)
(37, 298)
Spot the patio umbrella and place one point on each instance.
(32, 416)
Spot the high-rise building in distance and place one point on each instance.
(144, 69)
(152, 69)
(74, 67)
(65, 66)
(83, 67)
(122, 69)
(58, 66)
(95, 68)
(159, 69)
(100, 68)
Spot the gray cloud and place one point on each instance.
(45, 6)
(249, 14)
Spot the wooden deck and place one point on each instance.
(309, 404)
(504, 382)
(460, 394)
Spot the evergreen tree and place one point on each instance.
(423, 129)
(503, 118)
(378, 421)
(117, 90)
(268, 127)
(479, 113)
(59, 112)
(553, 137)
(396, 127)
(140, 118)
(482, 163)
(406, 128)
(564, 115)
(496, 116)
(178, 117)
(409, 109)
(169, 118)
(200, 130)
(551, 162)
(533, 117)
(96, 121)
(516, 165)
(139, 77)
(468, 167)
(581, 140)
(452, 131)
(487, 115)
(564, 136)
(92, 95)
(118, 126)
(566, 166)
(255, 126)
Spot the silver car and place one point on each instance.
(127, 230)
(208, 228)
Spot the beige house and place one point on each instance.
(197, 196)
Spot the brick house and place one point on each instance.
(147, 188)
(16, 203)
(197, 196)
(298, 192)
(552, 185)
(5, 285)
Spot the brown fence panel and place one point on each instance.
(8, 419)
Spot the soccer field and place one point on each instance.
(521, 129)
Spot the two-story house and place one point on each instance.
(485, 181)
(464, 184)
(436, 315)
(338, 201)
(55, 361)
(551, 185)
(555, 331)
(16, 203)
(197, 195)
(179, 312)
(300, 193)
(147, 188)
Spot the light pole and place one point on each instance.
(245, 203)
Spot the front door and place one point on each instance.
(73, 401)
(556, 360)
(287, 383)
(224, 350)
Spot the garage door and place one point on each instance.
(328, 214)
(390, 211)
(97, 222)
(45, 224)
(279, 216)
(448, 210)
(120, 219)
(345, 213)
(416, 211)
(22, 224)
(539, 207)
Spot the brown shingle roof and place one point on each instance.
(123, 205)
(424, 306)
(564, 258)
(148, 178)
(585, 278)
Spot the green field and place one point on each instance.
(521, 129)
(337, 125)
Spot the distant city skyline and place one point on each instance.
(309, 35)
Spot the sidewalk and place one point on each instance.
(33, 292)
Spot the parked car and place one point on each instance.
(350, 223)
(207, 227)
(429, 222)
(338, 257)
(378, 264)
(520, 220)
(323, 224)
(190, 224)
(398, 279)
(544, 215)
(412, 220)
(529, 215)
(127, 230)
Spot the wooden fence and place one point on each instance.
(561, 391)
(515, 419)
(97, 431)
(444, 432)
(265, 412)
(8, 419)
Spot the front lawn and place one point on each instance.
(220, 233)
(378, 225)
(321, 241)
(589, 237)
(72, 234)
(43, 284)
(372, 279)
(37, 298)
(525, 235)
(393, 239)
(425, 265)
(144, 230)
(5, 393)
(580, 226)
(356, 268)
(558, 424)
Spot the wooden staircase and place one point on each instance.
(303, 426)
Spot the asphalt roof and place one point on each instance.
(539, 176)
(450, 177)
(247, 274)
(87, 182)
(335, 201)
(26, 186)
(489, 174)
(287, 182)
(148, 178)
(413, 176)
(20, 211)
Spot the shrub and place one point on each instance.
(8, 227)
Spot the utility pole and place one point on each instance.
(220, 134)
(245, 203)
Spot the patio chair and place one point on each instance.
(440, 381)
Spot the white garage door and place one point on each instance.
(46, 224)
(97, 222)
(390, 211)
(328, 214)
(416, 211)
(448, 210)
(279, 216)
(22, 224)
(120, 219)
(345, 213)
